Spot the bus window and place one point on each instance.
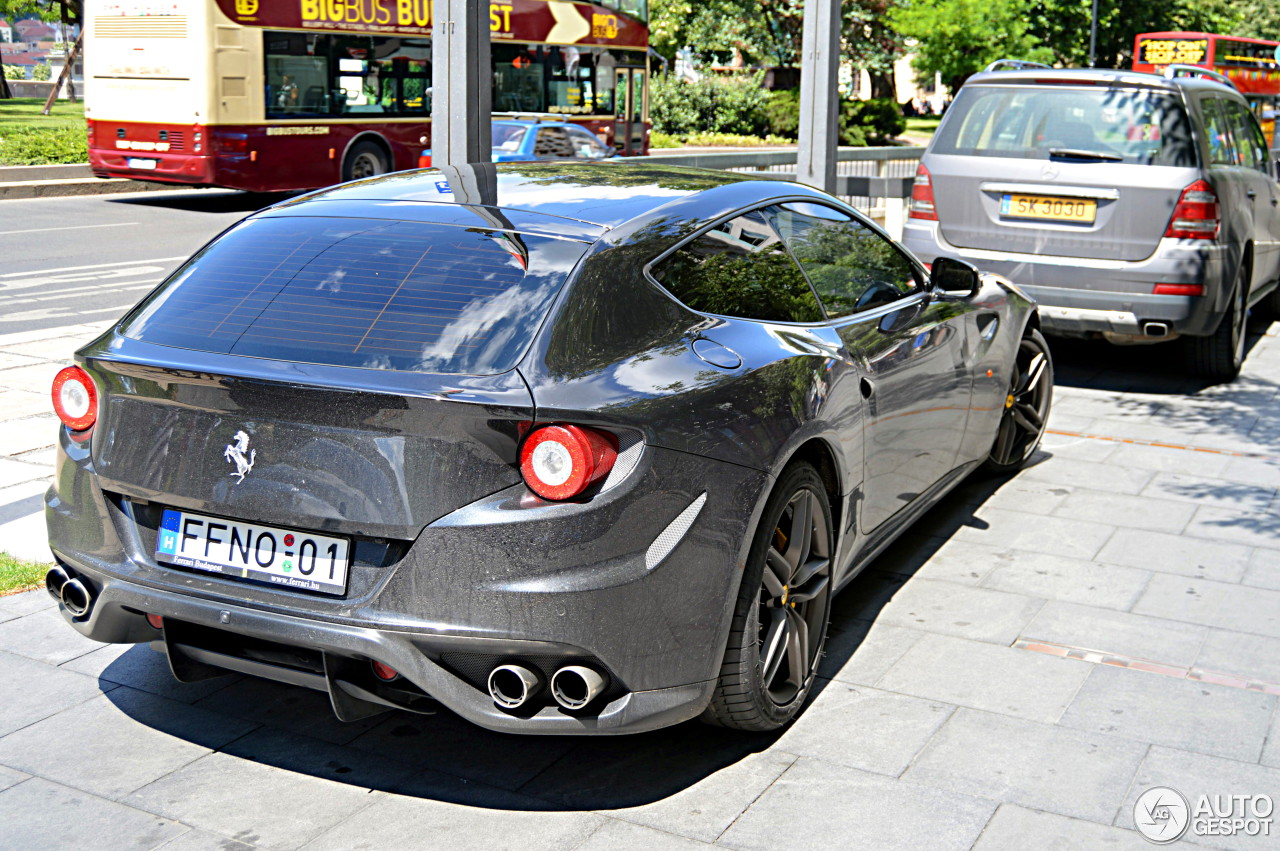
(312, 74)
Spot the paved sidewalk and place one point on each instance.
(1013, 675)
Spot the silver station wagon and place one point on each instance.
(1131, 206)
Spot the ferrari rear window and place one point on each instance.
(1137, 126)
(364, 293)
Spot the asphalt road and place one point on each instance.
(93, 257)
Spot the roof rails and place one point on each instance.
(1015, 65)
(1180, 70)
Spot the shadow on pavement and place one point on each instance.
(209, 200)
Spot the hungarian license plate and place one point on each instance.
(1048, 208)
(301, 560)
(139, 162)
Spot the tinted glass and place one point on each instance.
(507, 138)
(851, 266)
(1251, 145)
(363, 293)
(329, 74)
(740, 268)
(1217, 130)
(1141, 127)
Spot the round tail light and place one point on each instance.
(75, 400)
(561, 461)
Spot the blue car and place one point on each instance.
(530, 141)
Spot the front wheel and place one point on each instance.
(780, 616)
(1026, 406)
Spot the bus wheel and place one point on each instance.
(365, 159)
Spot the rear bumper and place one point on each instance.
(169, 168)
(503, 579)
(1079, 295)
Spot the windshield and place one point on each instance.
(365, 293)
(507, 137)
(1136, 126)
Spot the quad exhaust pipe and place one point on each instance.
(574, 686)
(511, 686)
(69, 591)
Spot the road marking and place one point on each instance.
(91, 266)
(76, 278)
(130, 286)
(69, 227)
(1119, 660)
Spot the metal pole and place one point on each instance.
(819, 95)
(462, 82)
(1093, 36)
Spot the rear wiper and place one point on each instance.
(1080, 154)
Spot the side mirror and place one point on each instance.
(953, 277)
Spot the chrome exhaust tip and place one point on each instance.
(1156, 329)
(511, 686)
(76, 597)
(54, 581)
(574, 686)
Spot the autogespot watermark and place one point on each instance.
(1163, 815)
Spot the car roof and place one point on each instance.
(576, 199)
(1109, 76)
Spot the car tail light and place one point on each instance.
(1196, 215)
(561, 461)
(424, 160)
(1178, 289)
(75, 400)
(225, 142)
(386, 673)
(922, 196)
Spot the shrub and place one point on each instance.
(782, 113)
(15, 72)
(45, 146)
(41, 72)
(861, 122)
(708, 105)
(658, 139)
(881, 119)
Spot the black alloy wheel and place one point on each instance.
(780, 617)
(1026, 406)
(1220, 355)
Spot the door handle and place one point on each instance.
(1252, 194)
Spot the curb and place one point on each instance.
(25, 189)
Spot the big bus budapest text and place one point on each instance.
(1252, 64)
(297, 94)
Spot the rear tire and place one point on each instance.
(1219, 356)
(1026, 407)
(365, 159)
(781, 613)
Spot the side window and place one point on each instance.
(552, 142)
(585, 145)
(1217, 129)
(740, 268)
(852, 267)
(1251, 143)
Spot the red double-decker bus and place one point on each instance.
(270, 95)
(1252, 64)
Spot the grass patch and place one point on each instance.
(18, 575)
(29, 138)
(923, 126)
(658, 139)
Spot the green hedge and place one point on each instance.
(734, 105)
(45, 146)
(861, 122)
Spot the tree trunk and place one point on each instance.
(883, 84)
(5, 92)
(65, 75)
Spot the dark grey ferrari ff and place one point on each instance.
(567, 448)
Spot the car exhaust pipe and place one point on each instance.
(1155, 329)
(76, 597)
(511, 686)
(54, 581)
(574, 686)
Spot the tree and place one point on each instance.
(761, 32)
(870, 42)
(958, 38)
(1259, 19)
(45, 10)
(1062, 26)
